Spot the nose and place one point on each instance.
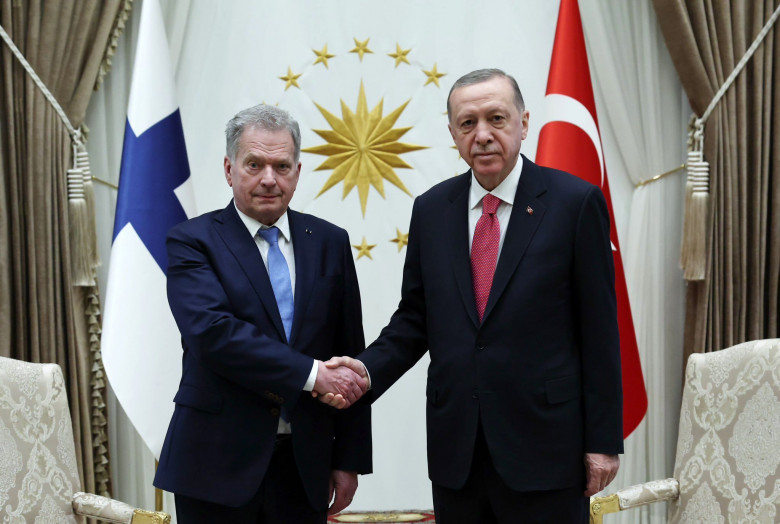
(484, 135)
(267, 177)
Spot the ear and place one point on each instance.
(452, 133)
(228, 171)
(297, 175)
(526, 116)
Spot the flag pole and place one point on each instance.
(158, 493)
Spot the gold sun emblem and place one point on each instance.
(363, 149)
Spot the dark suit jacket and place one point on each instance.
(239, 369)
(542, 371)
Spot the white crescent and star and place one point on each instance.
(562, 108)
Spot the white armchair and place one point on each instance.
(39, 480)
(728, 445)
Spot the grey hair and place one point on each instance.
(483, 75)
(261, 116)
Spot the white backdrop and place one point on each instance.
(230, 55)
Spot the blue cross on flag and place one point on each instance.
(140, 344)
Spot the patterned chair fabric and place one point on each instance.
(39, 478)
(728, 446)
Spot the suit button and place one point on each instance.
(275, 412)
(474, 395)
(480, 345)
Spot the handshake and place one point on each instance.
(341, 381)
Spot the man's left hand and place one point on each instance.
(344, 484)
(600, 470)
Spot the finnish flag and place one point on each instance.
(141, 346)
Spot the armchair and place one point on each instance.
(728, 444)
(39, 479)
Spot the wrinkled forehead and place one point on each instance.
(496, 92)
(271, 142)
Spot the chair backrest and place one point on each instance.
(38, 471)
(728, 447)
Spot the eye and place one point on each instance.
(252, 165)
(467, 123)
(497, 118)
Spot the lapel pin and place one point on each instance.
(308, 231)
(529, 210)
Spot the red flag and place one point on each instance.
(570, 141)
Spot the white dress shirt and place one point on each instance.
(286, 247)
(505, 191)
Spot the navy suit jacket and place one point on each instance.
(542, 371)
(238, 369)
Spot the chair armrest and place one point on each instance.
(110, 510)
(632, 497)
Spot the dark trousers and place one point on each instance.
(486, 499)
(281, 498)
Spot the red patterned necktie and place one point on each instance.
(484, 252)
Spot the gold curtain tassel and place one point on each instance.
(693, 256)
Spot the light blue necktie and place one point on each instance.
(280, 277)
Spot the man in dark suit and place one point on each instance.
(509, 284)
(262, 296)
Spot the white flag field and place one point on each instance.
(140, 344)
(348, 72)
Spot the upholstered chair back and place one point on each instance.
(38, 472)
(728, 447)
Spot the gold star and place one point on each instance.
(400, 238)
(433, 76)
(363, 148)
(291, 79)
(322, 56)
(361, 48)
(399, 55)
(364, 249)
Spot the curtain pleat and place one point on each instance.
(45, 318)
(738, 298)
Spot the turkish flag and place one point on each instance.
(570, 141)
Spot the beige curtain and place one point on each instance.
(738, 298)
(44, 316)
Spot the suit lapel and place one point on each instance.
(242, 245)
(458, 228)
(304, 242)
(522, 226)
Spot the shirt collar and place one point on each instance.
(505, 191)
(252, 225)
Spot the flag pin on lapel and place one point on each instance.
(308, 231)
(529, 210)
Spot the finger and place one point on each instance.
(355, 365)
(361, 383)
(357, 386)
(339, 503)
(334, 362)
(351, 396)
(593, 486)
(358, 380)
(338, 401)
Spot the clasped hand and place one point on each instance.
(341, 381)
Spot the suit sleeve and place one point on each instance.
(230, 346)
(404, 340)
(352, 447)
(594, 278)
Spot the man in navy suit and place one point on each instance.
(262, 296)
(509, 284)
